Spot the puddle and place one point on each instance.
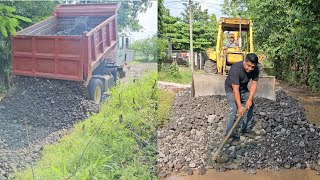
(312, 112)
(310, 101)
(261, 175)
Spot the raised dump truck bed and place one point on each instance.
(69, 45)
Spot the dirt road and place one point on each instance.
(137, 70)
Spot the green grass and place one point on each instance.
(134, 62)
(182, 76)
(114, 152)
(165, 102)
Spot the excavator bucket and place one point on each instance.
(212, 84)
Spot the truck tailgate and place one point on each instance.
(48, 56)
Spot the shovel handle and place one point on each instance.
(215, 155)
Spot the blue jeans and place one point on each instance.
(246, 121)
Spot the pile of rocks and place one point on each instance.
(46, 108)
(283, 138)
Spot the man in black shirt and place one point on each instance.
(238, 94)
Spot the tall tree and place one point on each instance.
(16, 15)
(204, 29)
(128, 12)
(161, 42)
(146, 48)
(197, 13)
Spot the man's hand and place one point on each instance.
(240, 111)
(248, 104)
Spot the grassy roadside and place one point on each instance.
(176, 74)
(134, 62)
(117, 150)
(165, 102)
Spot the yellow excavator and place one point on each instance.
(220, 60)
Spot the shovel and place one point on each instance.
(215, 155)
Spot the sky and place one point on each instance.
(148, 21)
(176, 6)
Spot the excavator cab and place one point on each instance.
(222, 58)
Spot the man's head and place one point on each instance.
(231, 37)
(250, 62)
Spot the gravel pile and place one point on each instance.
(81, 24)
(77, 30)
(282, 137)
(48, 107)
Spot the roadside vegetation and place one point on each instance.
(176, 74)
(134, 62)
(165, 102)
(145, 50)
(117, 143)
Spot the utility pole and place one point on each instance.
(191, 39)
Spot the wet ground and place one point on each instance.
(261, 175)
(309, 100)
(311, 104)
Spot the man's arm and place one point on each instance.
(226, 45)
(236, 94)
(253, 90)
(236, 42)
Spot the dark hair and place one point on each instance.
(253, 58)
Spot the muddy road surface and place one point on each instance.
(240, 175)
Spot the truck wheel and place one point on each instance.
(117, 80)
(95, 90)
(210, 66)
(122, 73)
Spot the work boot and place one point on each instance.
(249, 133)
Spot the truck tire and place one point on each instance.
(95, 90)
(122, 72)
(117, 78)
(210, 66)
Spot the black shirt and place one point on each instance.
(238, 75)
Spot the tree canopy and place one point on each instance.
(128, 11)
(177, 29)
(146, 48)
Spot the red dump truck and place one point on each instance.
(78, 43)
